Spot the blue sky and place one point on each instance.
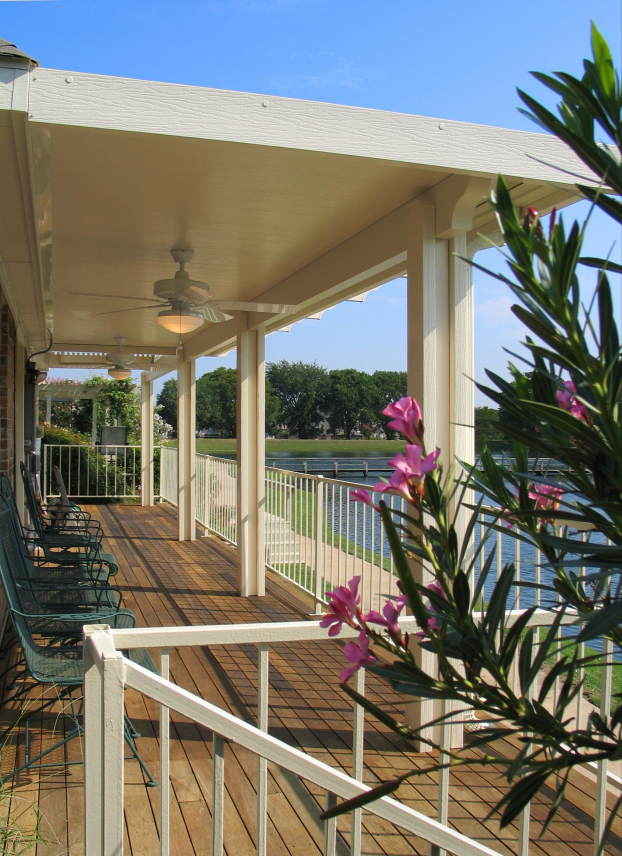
(451, 60)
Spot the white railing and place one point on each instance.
(315, 535)
(107, 672)
(92, 471)
(168, 474)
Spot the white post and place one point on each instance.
(20, 457)
(93, 420)
(251, 462)
(601, 776)
(113, 753)
(358, 741)
(218, 794)
(93, 754)
(48, 408)
(262, 764)
(186, 448)
(319, 551)
(146, 440)
(428, 356)
(165, 762)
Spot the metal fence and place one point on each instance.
(89, 472)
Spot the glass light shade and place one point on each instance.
(119, 373)
(180, 321)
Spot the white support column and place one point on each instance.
(440, 368)
(186, 448)
(20, 457)
(48, 409)
(428, 308)
(251, 462)
(146, 441)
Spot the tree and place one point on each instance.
(299, 387)
(167, 400)
(273, 409)
(387, 387)
(487, 425)
(348, 400)
(216, 394)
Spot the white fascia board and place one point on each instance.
(150, 107)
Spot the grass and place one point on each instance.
(301, 448)
(593, 676)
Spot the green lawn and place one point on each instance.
(301, 448)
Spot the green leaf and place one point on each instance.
(602, 622)
(601, 264)
(462, 594)
(604, 62)
(402, 567)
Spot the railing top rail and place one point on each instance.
(94, 446)
(287, 757)
(277, 631)
(213, 457)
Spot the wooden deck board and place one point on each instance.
(165, 582)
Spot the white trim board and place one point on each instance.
(123, 104)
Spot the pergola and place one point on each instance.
(63, 391)
(282, 201)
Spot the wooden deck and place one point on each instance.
(170, 583)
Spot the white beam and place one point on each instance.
(142, 106)
(146, 441)
(186, 448)
(251, 553)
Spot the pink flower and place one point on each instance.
(546, 496)
(567, 401)
(358, 655)
(407, 418)
(410, 471)
(361, 495)
(432, 624)
(343, 607)
(412, 466)
(389, 618)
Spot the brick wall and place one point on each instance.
(7, 390)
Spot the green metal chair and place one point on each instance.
(58, 544)
(53, 664)
(87, 568)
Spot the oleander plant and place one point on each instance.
(569, 389)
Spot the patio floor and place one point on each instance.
(166, 582)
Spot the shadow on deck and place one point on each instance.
(165, 582)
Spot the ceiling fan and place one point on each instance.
(120, 360)
(185, 304)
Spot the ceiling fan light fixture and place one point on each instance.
(180, 321)
(119, 373)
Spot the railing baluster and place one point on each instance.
(443, 777)
(330, 827)
(165, 762)
(262, 764)
(601, 775)
(358, 740)
(218, 794)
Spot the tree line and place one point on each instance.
(303, 400)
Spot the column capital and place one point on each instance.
(456, 199)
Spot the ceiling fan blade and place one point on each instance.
(210, 313)
(112, 296)
(134, 309)
(271, 308)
